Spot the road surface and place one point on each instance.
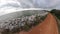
(48, 26)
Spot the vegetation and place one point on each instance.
(56, 13)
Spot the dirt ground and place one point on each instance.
(48, 26)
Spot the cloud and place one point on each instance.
(13, 5)
(30, 3)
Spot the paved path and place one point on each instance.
(48, 26)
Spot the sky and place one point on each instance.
(30, 4)
(7, 6)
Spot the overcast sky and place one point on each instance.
(13, 5)
(30, 4)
